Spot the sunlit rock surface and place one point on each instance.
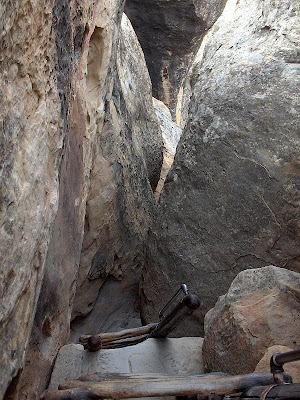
(231, 199)
(260, 309)
(120, 204)
(170, 33)
(193, 74)
(171, 133)
(57, 79)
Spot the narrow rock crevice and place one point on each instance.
(171, 133)
(107, 205)
(170, 33)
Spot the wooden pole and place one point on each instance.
(116, 377)
(135, 387)
(112, 336)
(124, 342)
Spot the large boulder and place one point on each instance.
(231, 199)
(170, 33)
(260, 309)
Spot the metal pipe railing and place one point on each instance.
(185, 307)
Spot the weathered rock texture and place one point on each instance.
(170, 34)
(39, 45)
(120, 205)
(166, 356)
(292, 368)
(193, 74)
(260, 309)
(171, 133)
(231, 199)
(57, 76)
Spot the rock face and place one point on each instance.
(171, 133)
(40, 43)
(292, 368)
(231, 201)
(166, 356)
(120, 205)
(260, 309)
(56, 103)
(170, 34)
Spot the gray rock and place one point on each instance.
(170, 33)
(260, 309)
(170, 356)
(231, 199)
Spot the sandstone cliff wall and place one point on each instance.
(231, 200)
(40, 42)
(120, 205)
(57, 76)
(81, 153)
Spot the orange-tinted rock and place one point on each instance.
(120, 203)
(260, 309)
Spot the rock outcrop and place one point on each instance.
(120, 205)
(260, 309)
(170, 33)
(59, 95)
(81, 152)
(231, 200)
(41, 121)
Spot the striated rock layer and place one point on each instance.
(170, 33)
(57, 67)
(40, 43)
(260, 309)
(231, 199)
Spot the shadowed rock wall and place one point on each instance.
(170, 33)
(231, 200)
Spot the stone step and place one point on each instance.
(167, 356)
